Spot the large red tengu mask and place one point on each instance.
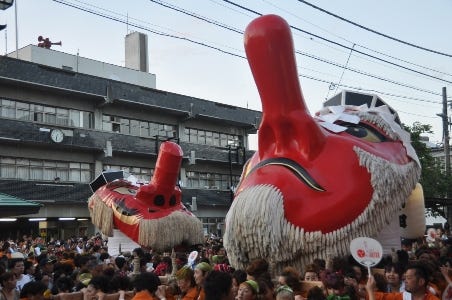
(152, 214)
(308, 191)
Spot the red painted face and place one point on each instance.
(322, 185)
(145, 213)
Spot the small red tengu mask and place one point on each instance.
(315, 183)
(151, 214)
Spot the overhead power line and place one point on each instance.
(368, 90)
(344, 46)
(344, 67)
(374, 31)
(97, 13)
(144, 28)
(353, 43)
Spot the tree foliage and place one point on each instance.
(435, 182)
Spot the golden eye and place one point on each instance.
(366, 133)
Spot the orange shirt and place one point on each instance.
(192, 294)
(399, 296)
(202, 295)
(145, 295)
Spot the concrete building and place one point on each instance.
(64, 119)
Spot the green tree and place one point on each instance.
(434, 180)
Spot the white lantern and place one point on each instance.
(414, 213)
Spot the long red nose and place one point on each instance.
(165, 176)
(287, 127)
(167, 167)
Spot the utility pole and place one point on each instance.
(445, 119)
(446, 133)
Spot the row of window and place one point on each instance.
(33, 169)
(211, 180)
(212, 221)
(45, 114)
(194, 179)
(37, 169)
(46, 170)
(138, 128)
(142, 175)
(84, 119)
(205, 137)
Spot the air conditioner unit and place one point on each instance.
(215, 187)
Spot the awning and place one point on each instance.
(13, 206)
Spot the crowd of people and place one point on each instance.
(82, 269)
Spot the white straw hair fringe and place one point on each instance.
(163, 233)
(256, 226)
(101, 215)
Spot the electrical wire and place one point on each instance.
(148, 29)
(344, 46)
(374, 31)
(227, 52)
(216, 23)
(355, 43)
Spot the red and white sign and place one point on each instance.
(368, 252)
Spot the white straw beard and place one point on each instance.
(256, 226)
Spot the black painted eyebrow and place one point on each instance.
(294, 167)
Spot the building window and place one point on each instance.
(45, 114)
(143, 175)
(45, 170)
(137, 127)
(212, 181)
(212, 226)
(211, 138)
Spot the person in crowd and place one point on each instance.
(258, 270)
(46, 265)
(218, 286)
(147, 287)
(238, 276)
(394, 274)
(416, 282)
(64, 285)
(316, 293)
(284, 292)
(33, 290)
(16, 265)
(186, 283)
(248, 290)
(446, 271)
(266, 288)
(290, 277)
(311, 273)
(29, 269)
(5, 250)
(8, 282)
(333, 282)
(164, 267)
(200, 273)
(97, 288)
(219, 256)
(122, 267)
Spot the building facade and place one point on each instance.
(61, 127)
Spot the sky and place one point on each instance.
(206, 59)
